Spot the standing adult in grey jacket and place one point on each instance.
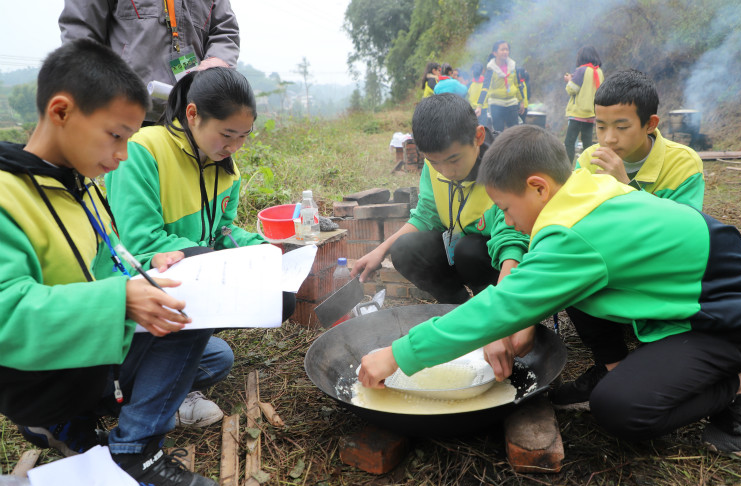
(140, 31)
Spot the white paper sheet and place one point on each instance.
(296, 267)
(239, 287)
(93, 468)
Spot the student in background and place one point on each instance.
(501, 89)
(429, 79)
(581, 86)
(474, 90)
(447, 83)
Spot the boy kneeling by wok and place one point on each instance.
(598, 245)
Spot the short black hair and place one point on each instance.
(442, 119)
(629, 87)
(588, 55)
(92, 74)
(519, 152)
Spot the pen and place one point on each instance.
(225, 231)
(121, 250)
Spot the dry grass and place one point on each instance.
(315, 423)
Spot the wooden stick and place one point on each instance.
(26, 463)
(253, 409)
(230, 451)
(271, 415)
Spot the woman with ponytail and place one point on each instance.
(180, 187)
(581, 87)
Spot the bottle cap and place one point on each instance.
(342, 261)
(307, 194)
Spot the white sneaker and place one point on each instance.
(197, 411)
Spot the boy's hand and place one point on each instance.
(567, 77)
(376, 367)
(368, 264)
(163, 261)
(210, 62)
(501, 354)
(610, 163)
(152, 308)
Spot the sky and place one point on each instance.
(275, 35)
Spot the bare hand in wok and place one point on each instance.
(501, 354)
(376, 367)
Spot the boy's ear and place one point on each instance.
(541, 185)
(480, 136)
(59, 108)
(653, 122)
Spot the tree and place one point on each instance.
(373, 95)
(356, 101)
(303, 70)
(22, 99)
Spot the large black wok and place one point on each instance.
(332, 359)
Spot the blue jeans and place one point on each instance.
(156, 376)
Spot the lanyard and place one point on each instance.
(451, 192)
(210, 213)
(99, 227)
(172, 23)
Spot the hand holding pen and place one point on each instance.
(151, 309)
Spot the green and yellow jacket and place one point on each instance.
(500, 89)
(58, 309)
(581, 90)
(164, 200)
(672, 171)
(598, 245)
(440, 197)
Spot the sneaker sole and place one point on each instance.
(713, 432)
(41, 437)
(197, 423)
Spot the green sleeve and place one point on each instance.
(242, 237)
(56, 327)
(560, 270)
(505, 243)
(690, 192)
(134, 196)
(424, 217)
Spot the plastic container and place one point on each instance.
(277, 221)
(309, 218)
(340, 277)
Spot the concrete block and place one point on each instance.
(362, 229)
(373, 450)
(533, 439)
(343, 209)
(381, 211)
(391, 226)
(370, 196)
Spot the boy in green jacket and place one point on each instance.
(455, 237)
(69, 351)
(597, 245)
(632, 150)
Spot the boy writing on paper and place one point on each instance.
(66, 320)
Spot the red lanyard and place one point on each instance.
(594, 72)
(172, 22)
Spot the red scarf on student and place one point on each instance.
(594, 72)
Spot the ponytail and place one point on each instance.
(217, 93)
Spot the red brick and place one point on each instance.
(331, 246)
(305, 315)
(401, 195)
(398, 154)
(419, 294)
(316, 288)
(381, 211)
(533, 439)
(373, 450)
(343, 209)
(358, 249)
(397, 291)
(392, 275)
(362, 229)
(370, 288)
(370, 196)
(391, 226)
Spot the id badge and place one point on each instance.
(185, 63)
(450, 239)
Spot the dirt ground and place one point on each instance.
(306, 450)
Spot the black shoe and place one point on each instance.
(723, 433)
(574, 395)
(70, 438)
(155, 468)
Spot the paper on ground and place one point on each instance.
(93, 468)
(239, 287)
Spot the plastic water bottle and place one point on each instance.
(340, 277)
(309, 218)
